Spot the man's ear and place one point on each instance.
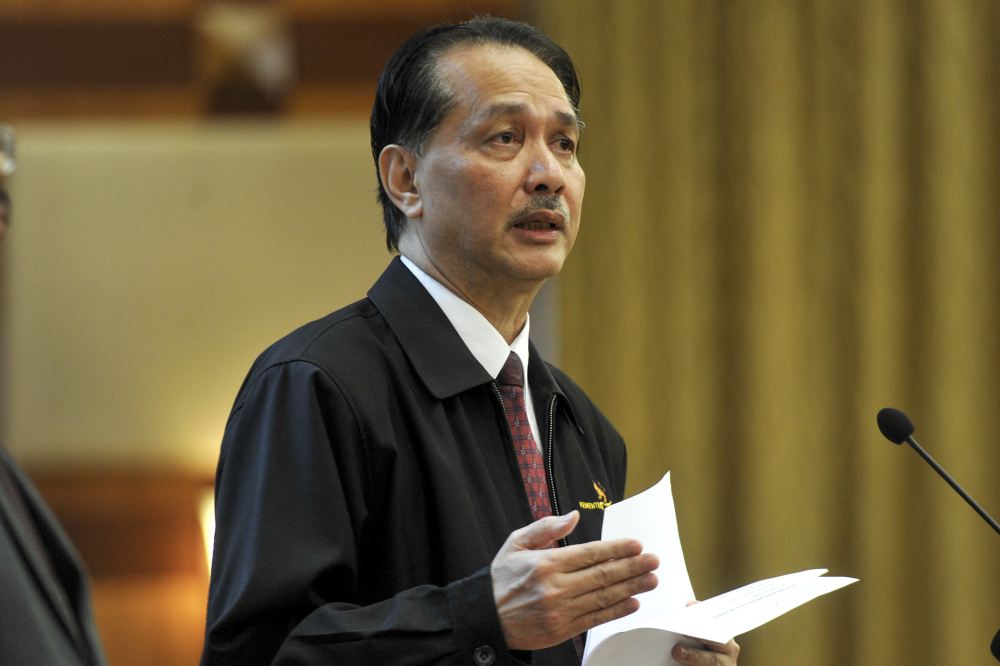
(396, 168)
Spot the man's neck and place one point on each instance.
(505, 308)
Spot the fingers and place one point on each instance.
(543, 532)
(587, 622)
(547, 595)
(584, 556)
(610, 603)
(632, 578)
(606, 573)
(713, 654)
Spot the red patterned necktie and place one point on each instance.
(529, 459)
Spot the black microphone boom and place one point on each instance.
(897, 428)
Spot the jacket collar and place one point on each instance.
(544, 385)
(440, 358)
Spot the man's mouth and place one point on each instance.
(541, 220)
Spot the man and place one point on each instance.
(386, 474)
(45, 613)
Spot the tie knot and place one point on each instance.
(512, 373)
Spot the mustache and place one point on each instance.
(541, 202)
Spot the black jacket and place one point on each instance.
(45, 612)
(366, 482)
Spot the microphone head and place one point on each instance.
(894, 425)
(995, 646)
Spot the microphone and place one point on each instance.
(897, 428)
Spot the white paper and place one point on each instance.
(664, 618)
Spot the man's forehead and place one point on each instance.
(479, 65)
(492, 77)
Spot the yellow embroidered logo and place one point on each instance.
(602, 499)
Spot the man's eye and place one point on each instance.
(566, 144)
(505, 137)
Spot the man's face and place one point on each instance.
(499, 182)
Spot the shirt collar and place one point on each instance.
(479, 335)
(438, 354)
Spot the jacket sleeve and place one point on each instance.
(291, 509)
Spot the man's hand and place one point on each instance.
(545, 596)
(712, 654)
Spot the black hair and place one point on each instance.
(411, 100)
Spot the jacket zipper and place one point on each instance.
(549, 466)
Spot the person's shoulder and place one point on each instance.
(332, 344)
(309, 341)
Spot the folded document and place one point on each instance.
(664, 618)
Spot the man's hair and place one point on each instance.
(411, 100)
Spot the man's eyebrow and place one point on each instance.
(516, 108)
(571, 120)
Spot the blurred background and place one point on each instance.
(791, 221)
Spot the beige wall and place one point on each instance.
(149, 264)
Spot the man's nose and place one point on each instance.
(545, 173)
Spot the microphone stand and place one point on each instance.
(951, 482)
(897, 428)
(995, 645)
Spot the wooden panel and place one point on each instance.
(143, 102)
(139, 535)
(130, 523)
(141, 58)
(395, 9)
(348, 51)
(97, 54)
(77, 10)
(319, 100)
(151, 620)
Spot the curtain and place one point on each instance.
(791, 221)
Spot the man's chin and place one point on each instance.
(540, 269)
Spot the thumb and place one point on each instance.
(544, 531)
